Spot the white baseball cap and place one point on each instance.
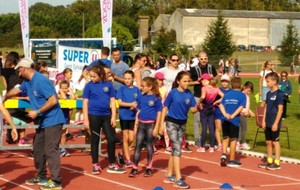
(25, 62)
(225, 77)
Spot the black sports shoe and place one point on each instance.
(273, 167)
(120, 159)
(264, 165)
(148, 173)
(133, 173)
(223, 161)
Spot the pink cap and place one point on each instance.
(159, 76)
(205, 76)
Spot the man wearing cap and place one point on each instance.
(202, 67)
(46, 110)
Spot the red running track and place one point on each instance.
(201, 171)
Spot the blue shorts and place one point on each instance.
(218, 113)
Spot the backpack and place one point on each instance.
(198, 70)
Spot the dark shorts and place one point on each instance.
(230, 131)
(127, 124)
(270, 135)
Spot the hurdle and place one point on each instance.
(14, 104)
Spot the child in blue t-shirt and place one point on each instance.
(148, 117)
(225, 88)
(231, 106)
(176, 106)
(127, 96)
(272, 121)
(99, 110)
(65, 93)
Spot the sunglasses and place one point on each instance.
(205, 58)
(283, 75)
(175, 60)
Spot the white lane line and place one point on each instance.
(101, 178)
(195, 178)
(242, 168)
(16, 184)
(280, 184)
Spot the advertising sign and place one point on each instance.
(24, 21)
(76, 59)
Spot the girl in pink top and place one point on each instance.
(207, 101)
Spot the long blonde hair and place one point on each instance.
(152, 82)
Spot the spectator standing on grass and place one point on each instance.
(161, 61)
(263, 88)
(196, 72)
(118, 68)
(46, 110)
(272, 122)
(99, 110)
(285, 86)
(231, 106)
(104, 58)
(170, 71)
(175, 112)
(139, 62)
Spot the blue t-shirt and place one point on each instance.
(149, 105)
(105, 61)
(232, 100)
(217, 112)
(99, 95)
(118, 69)
(273, 100)
(39, 89)
(179, 103)
(128, 95)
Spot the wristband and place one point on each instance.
(38, 112)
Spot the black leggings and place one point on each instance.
(96, 123)
(144, 129)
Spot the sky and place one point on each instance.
(11, 6)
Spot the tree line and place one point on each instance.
(82, 18)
